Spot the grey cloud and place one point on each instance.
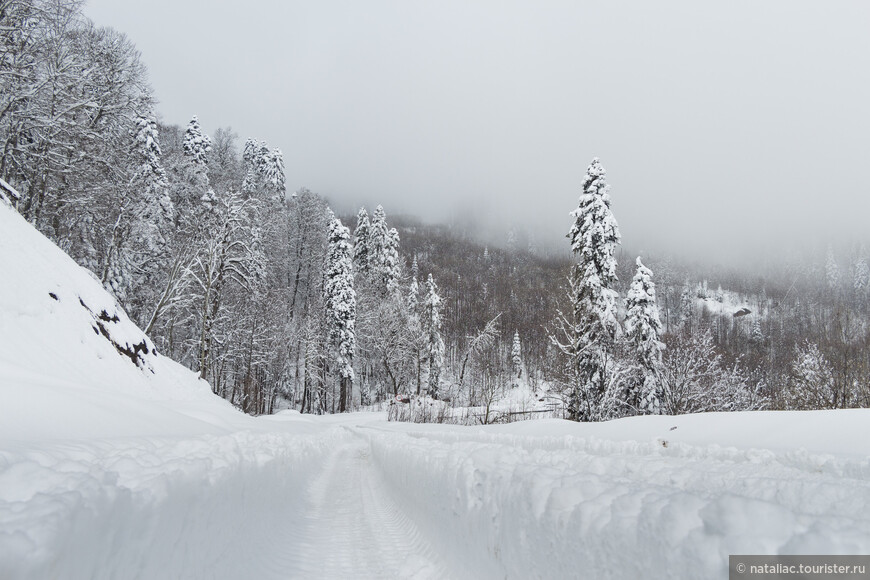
(739, 126)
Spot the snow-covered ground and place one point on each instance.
(114, 466)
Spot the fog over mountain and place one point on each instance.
(726, 129)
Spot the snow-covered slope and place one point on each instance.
(72, 364)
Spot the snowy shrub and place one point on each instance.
(419, 409)
(694, 379)
(811, 385)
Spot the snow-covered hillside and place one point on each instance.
(120, 466)
(71, 363)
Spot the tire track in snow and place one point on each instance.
(349, 527)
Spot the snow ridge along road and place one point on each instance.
(509, 506)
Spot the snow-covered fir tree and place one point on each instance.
(594, 327)
(383, 253)
(273, 172)
(391, 270)
(152, 204)
(517, 357)
(378, 233)
(263, 172)
(642, 330)
(413, 300)
(196, 144)
(434, 350)
(687, 308)
(140, 237)
(252, 164)
(340, 300)
(194, 193)
(416, 339)
(361, 242)
(756, 335)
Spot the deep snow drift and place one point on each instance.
(120, 466)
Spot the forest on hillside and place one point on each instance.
(279, 303)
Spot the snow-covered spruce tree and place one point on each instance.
(340, 300)
(254, 158)
(517, 357)
(377, 237)
(391, 271)
(273, 172)
(252, 164)
(434, 350)
(642, 330)
(413, 300)
(140, 238)
(382, 251)
(687, 308)
(594, 326)
(264, 172)
(416, 339)
(361, 242)
(196, 145)
(194, 194)
(378, 241)
(756, 335)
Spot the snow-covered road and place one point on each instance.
(357, 497)
(351, 527)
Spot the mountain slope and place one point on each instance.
(72, 364)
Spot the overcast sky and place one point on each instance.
(722, 125)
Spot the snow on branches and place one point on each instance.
(642, 329)
(594, 236)
(432, 330)
(340, 300)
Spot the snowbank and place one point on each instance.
(206, 507)
(630, 499)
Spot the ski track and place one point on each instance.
(351, 527)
